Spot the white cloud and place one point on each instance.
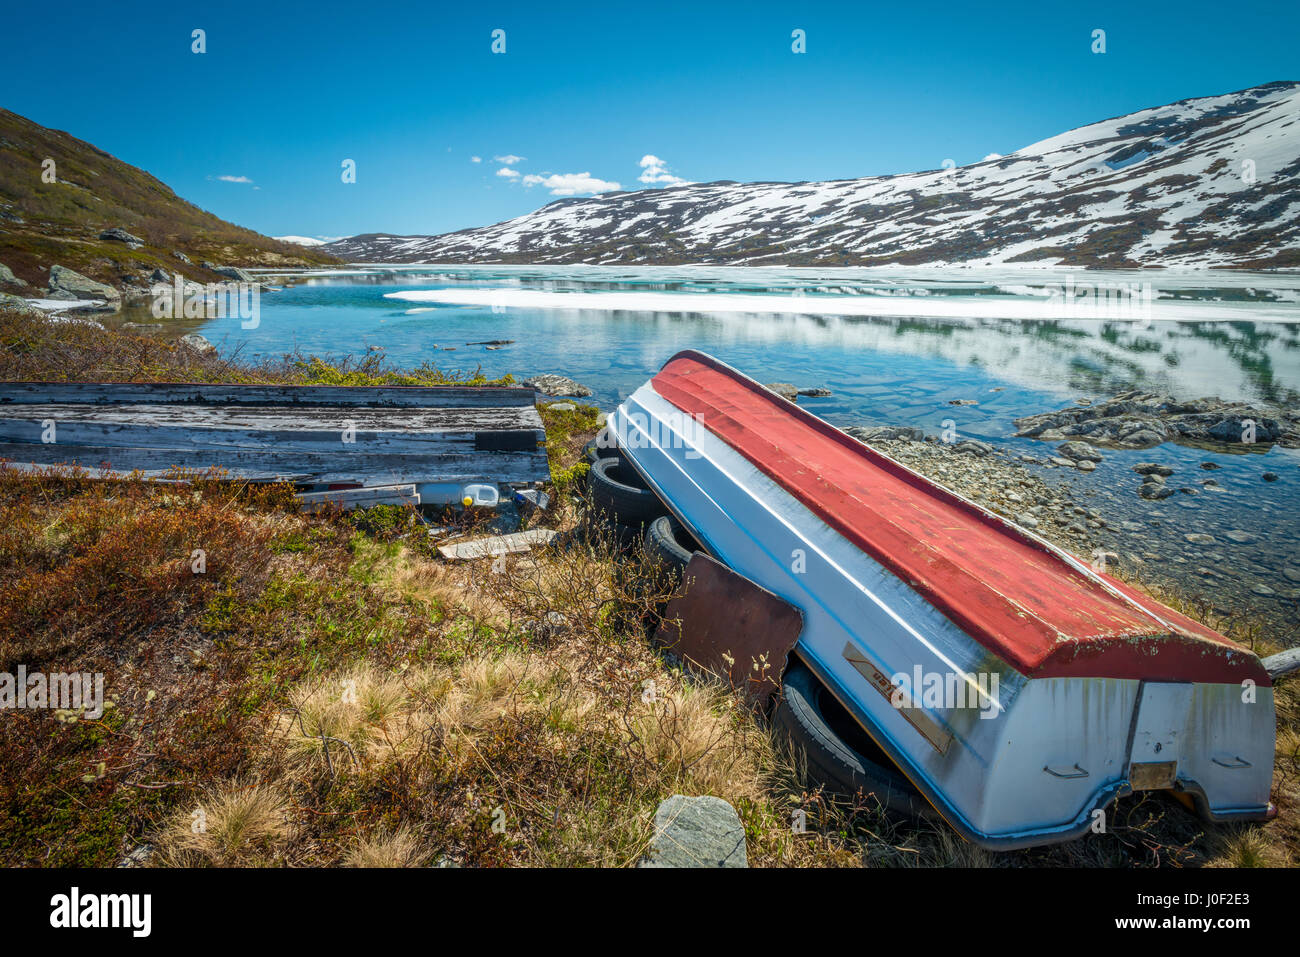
(234, 179)
(508, 173)
(476, 159)
(655, 170)
(570, 184)
(510, 159)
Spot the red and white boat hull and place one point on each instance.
(1020, 691)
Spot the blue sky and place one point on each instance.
(411, 92)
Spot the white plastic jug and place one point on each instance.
(453, 493)
(481, 495)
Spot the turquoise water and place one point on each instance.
(884, 369)
(1209, 334)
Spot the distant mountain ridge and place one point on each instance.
(1211, 181)
(64, 222)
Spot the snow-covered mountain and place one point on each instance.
(301, 240)
(1212, 181)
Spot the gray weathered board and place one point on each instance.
(398, 435)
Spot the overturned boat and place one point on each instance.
(1018, 689)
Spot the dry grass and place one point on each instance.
(401, 848)
(228, 825)
(606, 727)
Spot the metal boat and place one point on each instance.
(1019, 689)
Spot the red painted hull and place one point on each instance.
(1036, 609)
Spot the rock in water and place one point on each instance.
(885, 433)
(785, 390)
(1154, 491)
(557, 385)
(696, 832)
(1137, 420)
(1152, 468)
(66, 284)
(1079, 451)
(815, 392)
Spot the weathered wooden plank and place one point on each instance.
(112, 393)
(152, 475)
(350, 498)
(275, 417)
(340, 440)
(496, 545)
(1282, 663)
(381, 468)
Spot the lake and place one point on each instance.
(894, 346)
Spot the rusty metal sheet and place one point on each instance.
(725, 624)
(1152, 775)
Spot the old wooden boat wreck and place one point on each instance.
(1018, 689)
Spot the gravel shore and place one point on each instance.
(1243, 575)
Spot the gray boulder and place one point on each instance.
(121, 236)
(1155, 491)
(974, 447)
(198, 344)
(557, 385)
(19, 305)
(7, 277)
(232, 272)
(1079, 451)
(66, 284)
(696, 832)
(1141, 420)
(885, 433)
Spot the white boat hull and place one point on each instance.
(1036, 759)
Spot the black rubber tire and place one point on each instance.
(618, 492)
(601, 447)
(840, 755)
(669, 543)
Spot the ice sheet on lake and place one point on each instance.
(1037, 307)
